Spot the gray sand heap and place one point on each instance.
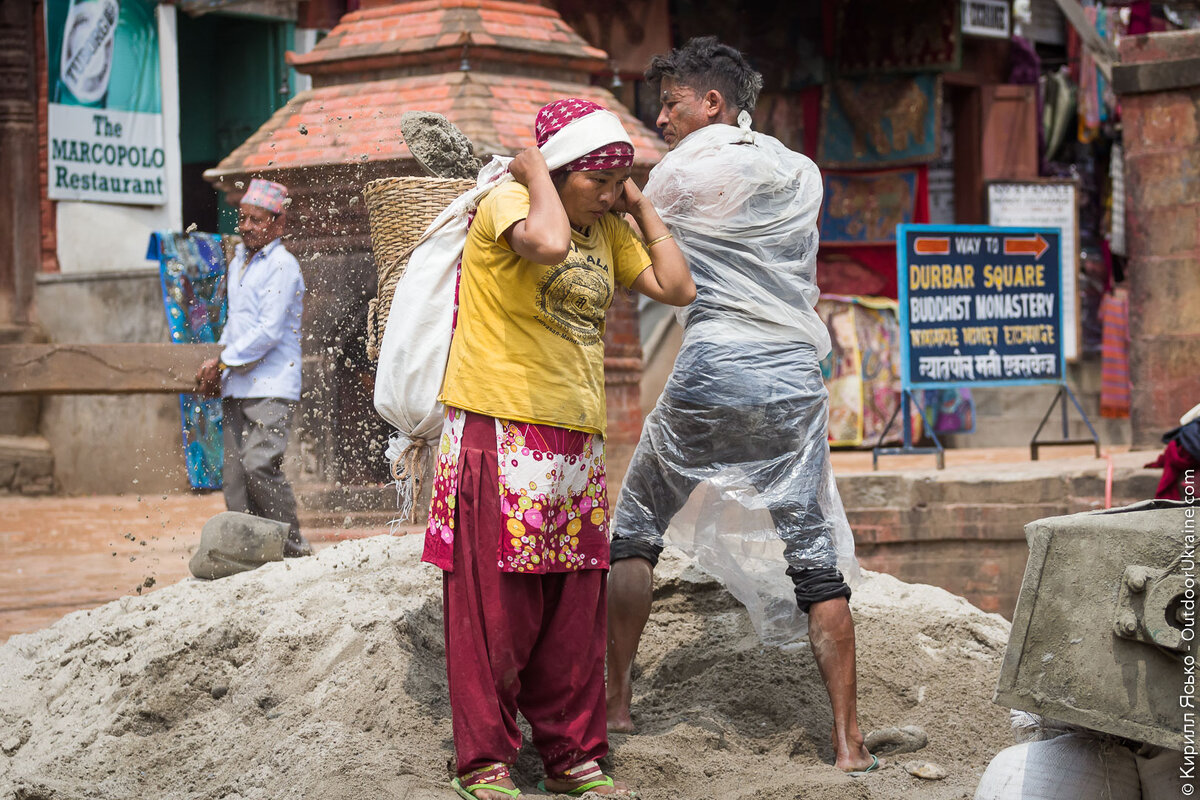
(324, 678)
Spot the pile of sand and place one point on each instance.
(323, 678)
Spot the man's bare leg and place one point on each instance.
(831, 633)
(630, 592)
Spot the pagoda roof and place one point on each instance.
(356, 123)
(416, 34)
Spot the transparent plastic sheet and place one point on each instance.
(741, 427)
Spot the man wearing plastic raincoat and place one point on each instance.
(746, 396)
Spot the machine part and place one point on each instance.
(1152, 609)
(1098, 633)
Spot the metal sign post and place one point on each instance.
(980, 306)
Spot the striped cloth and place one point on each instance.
(1114, 355)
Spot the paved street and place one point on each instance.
(60, 554)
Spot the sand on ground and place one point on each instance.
(324, 678)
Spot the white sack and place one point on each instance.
(1067, 767)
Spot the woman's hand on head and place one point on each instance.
(528, 165)
(631, 199)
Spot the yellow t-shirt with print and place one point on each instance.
(529, 342)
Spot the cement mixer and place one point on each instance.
(1101, 664)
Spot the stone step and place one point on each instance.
(26, 465)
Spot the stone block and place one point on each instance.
(1155, 180)
(878, 525)
(1088, 644)
(8, 471)
(976, 488)
(1166, 232)
(986, 573)
(233, 542)
(1159, 47)
(876, 489)
(1163, 294)
(1160, 120)
(19, 415)
(1163, 371)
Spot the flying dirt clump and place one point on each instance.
(438, 146)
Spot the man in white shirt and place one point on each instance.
(259, 368)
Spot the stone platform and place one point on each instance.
(961, 528)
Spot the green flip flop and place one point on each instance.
(584, 788)
(469, 791)
(861, 772)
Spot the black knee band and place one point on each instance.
(817, 585)
(632, 548)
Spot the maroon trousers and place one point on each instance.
(533, 643)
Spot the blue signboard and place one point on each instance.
(979, 306)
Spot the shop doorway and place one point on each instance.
(232, 78)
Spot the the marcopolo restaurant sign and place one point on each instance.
(105, 111)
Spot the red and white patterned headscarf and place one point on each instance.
(554, 116)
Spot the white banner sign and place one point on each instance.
(1045, 203)
(986, 18)
(106, 156)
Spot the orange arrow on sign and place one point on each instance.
(931, 246)
(1035, 247)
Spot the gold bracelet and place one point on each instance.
(662, 238)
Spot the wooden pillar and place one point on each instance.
(1158, 80)
(19, 194)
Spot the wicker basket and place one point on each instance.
(398, 212)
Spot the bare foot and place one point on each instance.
(620, 720)
(854, 756)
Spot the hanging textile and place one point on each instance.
(862, 372)
(878, 122)
(192, 274)
(1115, 389)
(865, 207)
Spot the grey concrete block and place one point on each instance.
(1078, 651)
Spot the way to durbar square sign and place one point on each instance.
(979, 306)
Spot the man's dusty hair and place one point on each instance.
(704, 64)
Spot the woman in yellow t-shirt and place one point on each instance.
(519, 519)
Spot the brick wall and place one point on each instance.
(1162, 186)
(965, 531)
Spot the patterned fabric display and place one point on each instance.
(950, 410)
(862, 375)
(1115, 392)
(553, 498)
(865, 207)
(880, 122)
(881, 36)
(555, 504)
(192, 274)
